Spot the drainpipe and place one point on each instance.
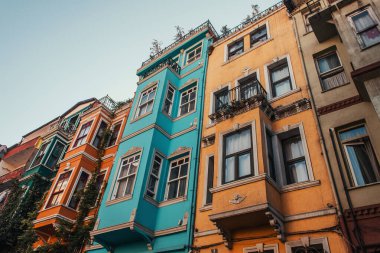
(357, 228)
(200, 124)
(322, 138)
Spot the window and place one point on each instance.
(79, 188)
(236, 48)
(72, 123)
(366, 27)
(146, 101)
(259, 35)
(114, 134)
(127, 175)
(194, 54)
(99, 184)
(237, 155)
(316, 248)
(307, 12)
(59, 188)
(210, 180)
(280, 78)
(168, 105)
(55, 155)
(317, 245)
(331, 71)
(99, 135)
(248, 87)
(294, 160)
(40, 155)
(362, 161)
(272, 168)
(82, 136)
(177, 181)
(221, 99)
(187, 103)
(154, 177)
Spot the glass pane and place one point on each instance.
(297, 172)
(185, 99)
(182, 187)
(293, 148)
(121, 188)
(361, 164)
(328, 62)
(371, 36)
(152, 183)
(173, 186)
(352, 133)
(124, 170)
(128, 190)
(362, 21)
(184, 170)
(244, 165)
(174, 173)
(229, 170)
(282, 87)
(280, 73)
(238, 141)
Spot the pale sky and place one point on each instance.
(56, 53)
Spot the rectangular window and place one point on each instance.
(187, 103)
(55, 155)
(79, 188)
(154, 177)
(221, 99)
(315, 248)
(259, 35)
(82, 136)
(331, 71)
(237, 155)
(114, 134)
(99, 135)
(40, 155)
(194, 54)
(248, 87)
(366, 26)
(271, 164)
(210, 180)
(177, 181)
(236, 48)
(280, 78)
(127, 175)
(60, 186)
(294, 159)
(146, 102)
(362, 161)
(168, 105)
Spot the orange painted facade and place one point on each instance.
(77, 166)
(274, 210)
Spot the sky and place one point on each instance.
(56, 53)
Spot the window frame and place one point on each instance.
(272, 85)
(269, 138)
(97, 131)
(236, 156)
(52, 191)
(47, 145)
(120, 122)
(235, 54)
(207, 180)
(179, 178)
(215, 96)
(75, 143)
(258, 40)
(139, 105)
(312, 241)
(265, 247)
(157, 177)
(72, 190)
(170, 86)
(51, 152)
(187, 89)
(117, 179)
(196, 56)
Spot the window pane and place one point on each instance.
(230, 169)
(131, 180)
(121, 188)
(293, 148)
(297, 172)
(244, 165)
(328, 62)
(172, 193)
(280, 73)
(238, 141)
(182, 187)
(362, 21)
(183, 170)
(316, 248)
(81, 184)
(371, 36)
(174, 172)
(282, 87)
(352, 133)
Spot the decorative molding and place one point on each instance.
(131, 151)
(339, 105)
(208, 140)
(54, 216)
(313, 214)
(237, 183)
(299, 186)
(179, 151)
(237, 199)
(372, 211)
(301, 105)
(205, 208)
(206, 233)
(118, 200)
(85, 154)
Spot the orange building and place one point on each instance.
(263, 184)
(79, 163)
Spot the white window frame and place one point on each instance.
(254, 31)
(189, 50)
(146, 90)
(79, 129)
(195, 100)
(156, 176)
(311, 241)
(352, 24)
(75, 186)
(116, 184)
(259, 247)
(227, 56)
(170, 86)
(55, 185)
(188, 155)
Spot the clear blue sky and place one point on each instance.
(56, 53)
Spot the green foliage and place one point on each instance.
(225, 30)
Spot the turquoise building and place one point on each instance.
(149, 202)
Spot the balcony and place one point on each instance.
(241, 99)
(249, 203)
(66, 130)
(166, 63)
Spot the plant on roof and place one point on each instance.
(179, 33)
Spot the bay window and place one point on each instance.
(82, 136)
(146, 102)
(99, 135)
(55, 155)
(40, 155)
(79, 188)
(60, 186)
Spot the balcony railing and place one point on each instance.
(206, 24)
(240, 99)
(108, 102)
(61, 126)
(167, 63)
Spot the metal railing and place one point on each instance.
(108, 102)
(243, 96)
(67, 129)
(166, 63)
(201, 27)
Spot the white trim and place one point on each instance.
(155, 153)
(146, 88)
(55, 185)
(170, 113)
(311, 241)
(195, 100)
(185, 53)
(75, 185)
(266, 24)
(259, 247)
(92, 119)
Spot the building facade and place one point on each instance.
(148, 203)
(339, 41)
(91, 152)
(263, 184)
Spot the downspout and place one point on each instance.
(357, 228)
(322, 138)
(200, 124)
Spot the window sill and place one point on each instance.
(365, 48)
(171, 201)
(300, 186)
(205, 208)
(363, 186)
(291, 92)
(118, 200)
(140, 117)
(237, 183)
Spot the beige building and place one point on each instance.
(340, 45)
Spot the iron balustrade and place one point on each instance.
(248, 95)
(108, 102)
(166, 63)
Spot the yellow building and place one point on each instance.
(263, 184)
